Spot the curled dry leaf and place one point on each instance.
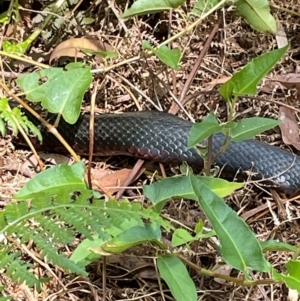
(110, 180)
(289, 127)
(76, 47)
(290, 81)
(209, 86)
(281, 37)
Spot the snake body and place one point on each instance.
(162, 137)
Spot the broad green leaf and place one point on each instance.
(36, 84)
(168, 56)
(248, 128)
(60, 91)
(245, 81)
(257, 14)
(203, 6)
(175, 274)
(3, 17)
(91, 249)
(180, 187)
(292, 280)
(273, 245)
(144, 7)
(63, 179)
(202, 130)
(133, 237)
(240, 248)
(83, 253)
(182, 236)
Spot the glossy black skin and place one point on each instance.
(163, 137)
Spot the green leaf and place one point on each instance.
(245, 81)
(199, 226)
(180, 187)
(168, 56)
(240, 248)
(144, 7)
(61, 179)
(91, 249)
(59, 91)
(257, 14)
(182, 236)
(18, 48)
(147, 45)
(83, 253)
(2, 128)
(8, 116)
(175, 274)
(203, 6)
(133, 237)
(202, 130)
(248, 128)
(3, 17)
(273, 245)
(292, 280)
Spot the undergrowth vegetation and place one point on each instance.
(56, 206)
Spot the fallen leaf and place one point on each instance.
(55, 159)
(289, 127)
(293, 295)
(209, 86)
(77, 47)
(290, 81)
(112, 181)
(134, 265)
(223, 270)
(281, 37)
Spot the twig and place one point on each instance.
(174, 109)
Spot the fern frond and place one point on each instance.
(17, 269)
(51, 228)
(12, 116)
(77, 219)
(59, 209)
(26, 124)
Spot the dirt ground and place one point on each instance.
(132, 276)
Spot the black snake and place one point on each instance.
(163, 137)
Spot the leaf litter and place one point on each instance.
(223, 59)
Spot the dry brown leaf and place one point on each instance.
(73, 48)
(134, 265)
(209, 86)
(269, 86)
(110, 180)
(281, 37)
(289, 127)
(223, 270)
(290, 81)
(55, 159)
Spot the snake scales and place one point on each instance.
(163, 137)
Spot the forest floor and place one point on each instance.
(132, 275)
